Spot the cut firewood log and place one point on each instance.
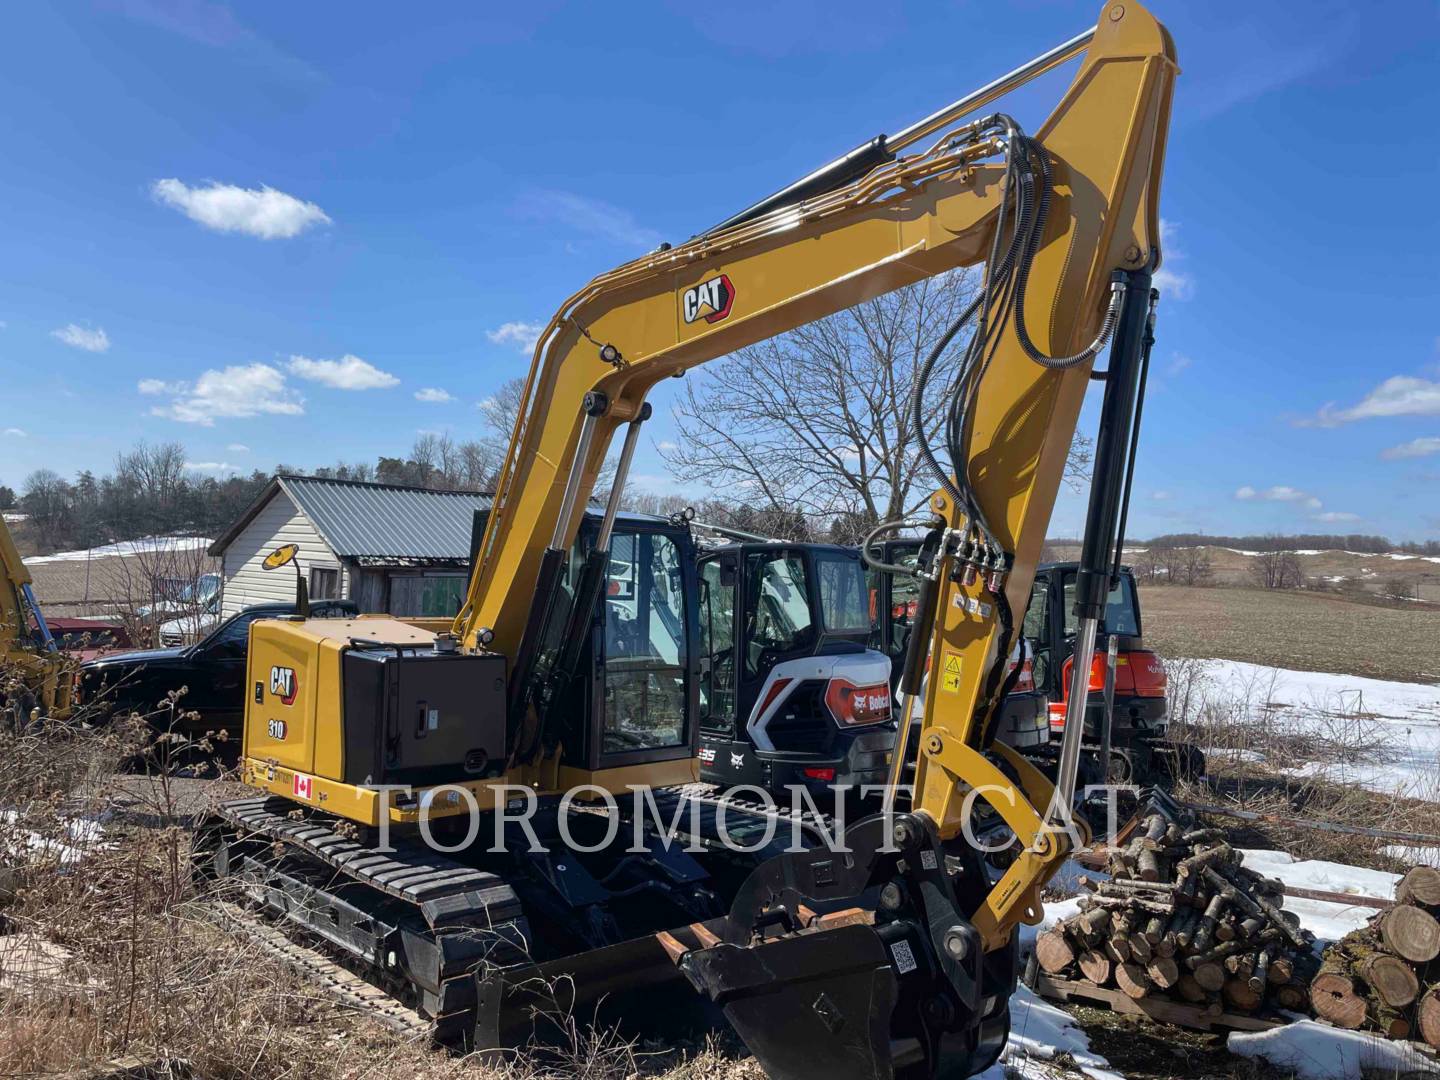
(1131, 979)
(1140, 950)
(1428, 1016)
(1189, 989)
(1260, 977)
(1393, 980)
(1239, 996)
(1333, 996)
(1163, 971)
(1210, 976)
(1294, 996)
(1095, 966)
(1117, 949)
(1054, 951)
(1282, 970)
(1209, 919)
(1392, 1022)
(1420, 885)
(1410, 932)
(1209, 857)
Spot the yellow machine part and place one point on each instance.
(294, 733)
(932, 209)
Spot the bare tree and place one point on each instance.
(817, 421)
(499, 411)
(1277, 568)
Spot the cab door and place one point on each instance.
(718, 652)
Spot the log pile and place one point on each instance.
(1385, 976)
(1183, 919)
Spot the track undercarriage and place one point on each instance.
(514, 947)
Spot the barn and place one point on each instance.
(400, 550)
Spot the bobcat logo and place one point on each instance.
(283, 684)
(710, 300)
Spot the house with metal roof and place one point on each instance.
(401, 550)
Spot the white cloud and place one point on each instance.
(18, 433)
(666, 446)
(347, 373)
(1178, 363)
(434, 395)
(81, 338)
(238, 448)
(262, 212)
(210, 466)
(523, 334)
(592, 216)
(230, 393)
(1399, 395)
(159, 386)
(1172, 281)
(1337, 516)
(1279, 493)
(1160, 496)
(1421, 447)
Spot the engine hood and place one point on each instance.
(127, 659)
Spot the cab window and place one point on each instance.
(1120, 611)
(717, 643)
(645, 652)
(778, 607)
(842, 592)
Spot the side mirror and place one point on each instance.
(727, 575)
(282, 556)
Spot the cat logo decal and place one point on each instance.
(711, 300)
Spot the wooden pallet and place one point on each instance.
(1160, 1009)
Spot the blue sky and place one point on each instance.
(440, 172)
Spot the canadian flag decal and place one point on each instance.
(301, 786)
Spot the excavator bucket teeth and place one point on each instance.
(813, 1007)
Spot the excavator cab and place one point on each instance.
(790, 694)
(637, 676)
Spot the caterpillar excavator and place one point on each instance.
(28, 650)
(413, 788)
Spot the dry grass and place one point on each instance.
(1303, 631)
(145, 970)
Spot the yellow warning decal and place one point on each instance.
(950, 679)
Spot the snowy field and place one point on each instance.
(1389, 730)
(167, 545)
(1041, 1032)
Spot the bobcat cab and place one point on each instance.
(790, 694)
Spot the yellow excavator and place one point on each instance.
(417, 791)
(32, 662)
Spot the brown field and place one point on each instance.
(1304, 631)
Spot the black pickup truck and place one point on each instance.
(212, 671)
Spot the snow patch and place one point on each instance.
(77, 837)
(145, 546)
(1416, 856)
(1319, 1052)
(1401, 719)
(1039, 1032)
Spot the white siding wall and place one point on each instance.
(278, 522)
